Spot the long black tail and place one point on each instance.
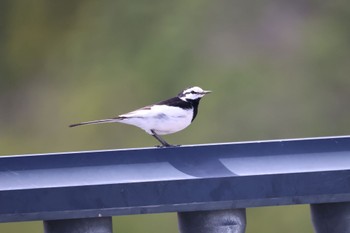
(94, 122)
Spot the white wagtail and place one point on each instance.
(166, 117)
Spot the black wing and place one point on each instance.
(176, 102)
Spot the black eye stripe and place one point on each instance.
(191, 92)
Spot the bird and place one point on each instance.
(162, 118)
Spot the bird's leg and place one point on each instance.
(161, 140)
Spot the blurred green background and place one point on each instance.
(278, 69)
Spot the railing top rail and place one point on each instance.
(186, 178)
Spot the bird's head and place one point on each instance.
(192, 93)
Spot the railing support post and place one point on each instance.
(83, 225)
(218, 221)
(331, 217)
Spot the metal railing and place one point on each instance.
(208, 185)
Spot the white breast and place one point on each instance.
(162, 119)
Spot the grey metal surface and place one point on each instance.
(331, 217)
(86, 225)
(186, 178)
(216, 221)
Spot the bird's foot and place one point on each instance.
(168, 145)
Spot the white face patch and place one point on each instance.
(192, 93)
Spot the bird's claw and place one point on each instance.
(167, 146)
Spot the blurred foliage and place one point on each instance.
(278, 69)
